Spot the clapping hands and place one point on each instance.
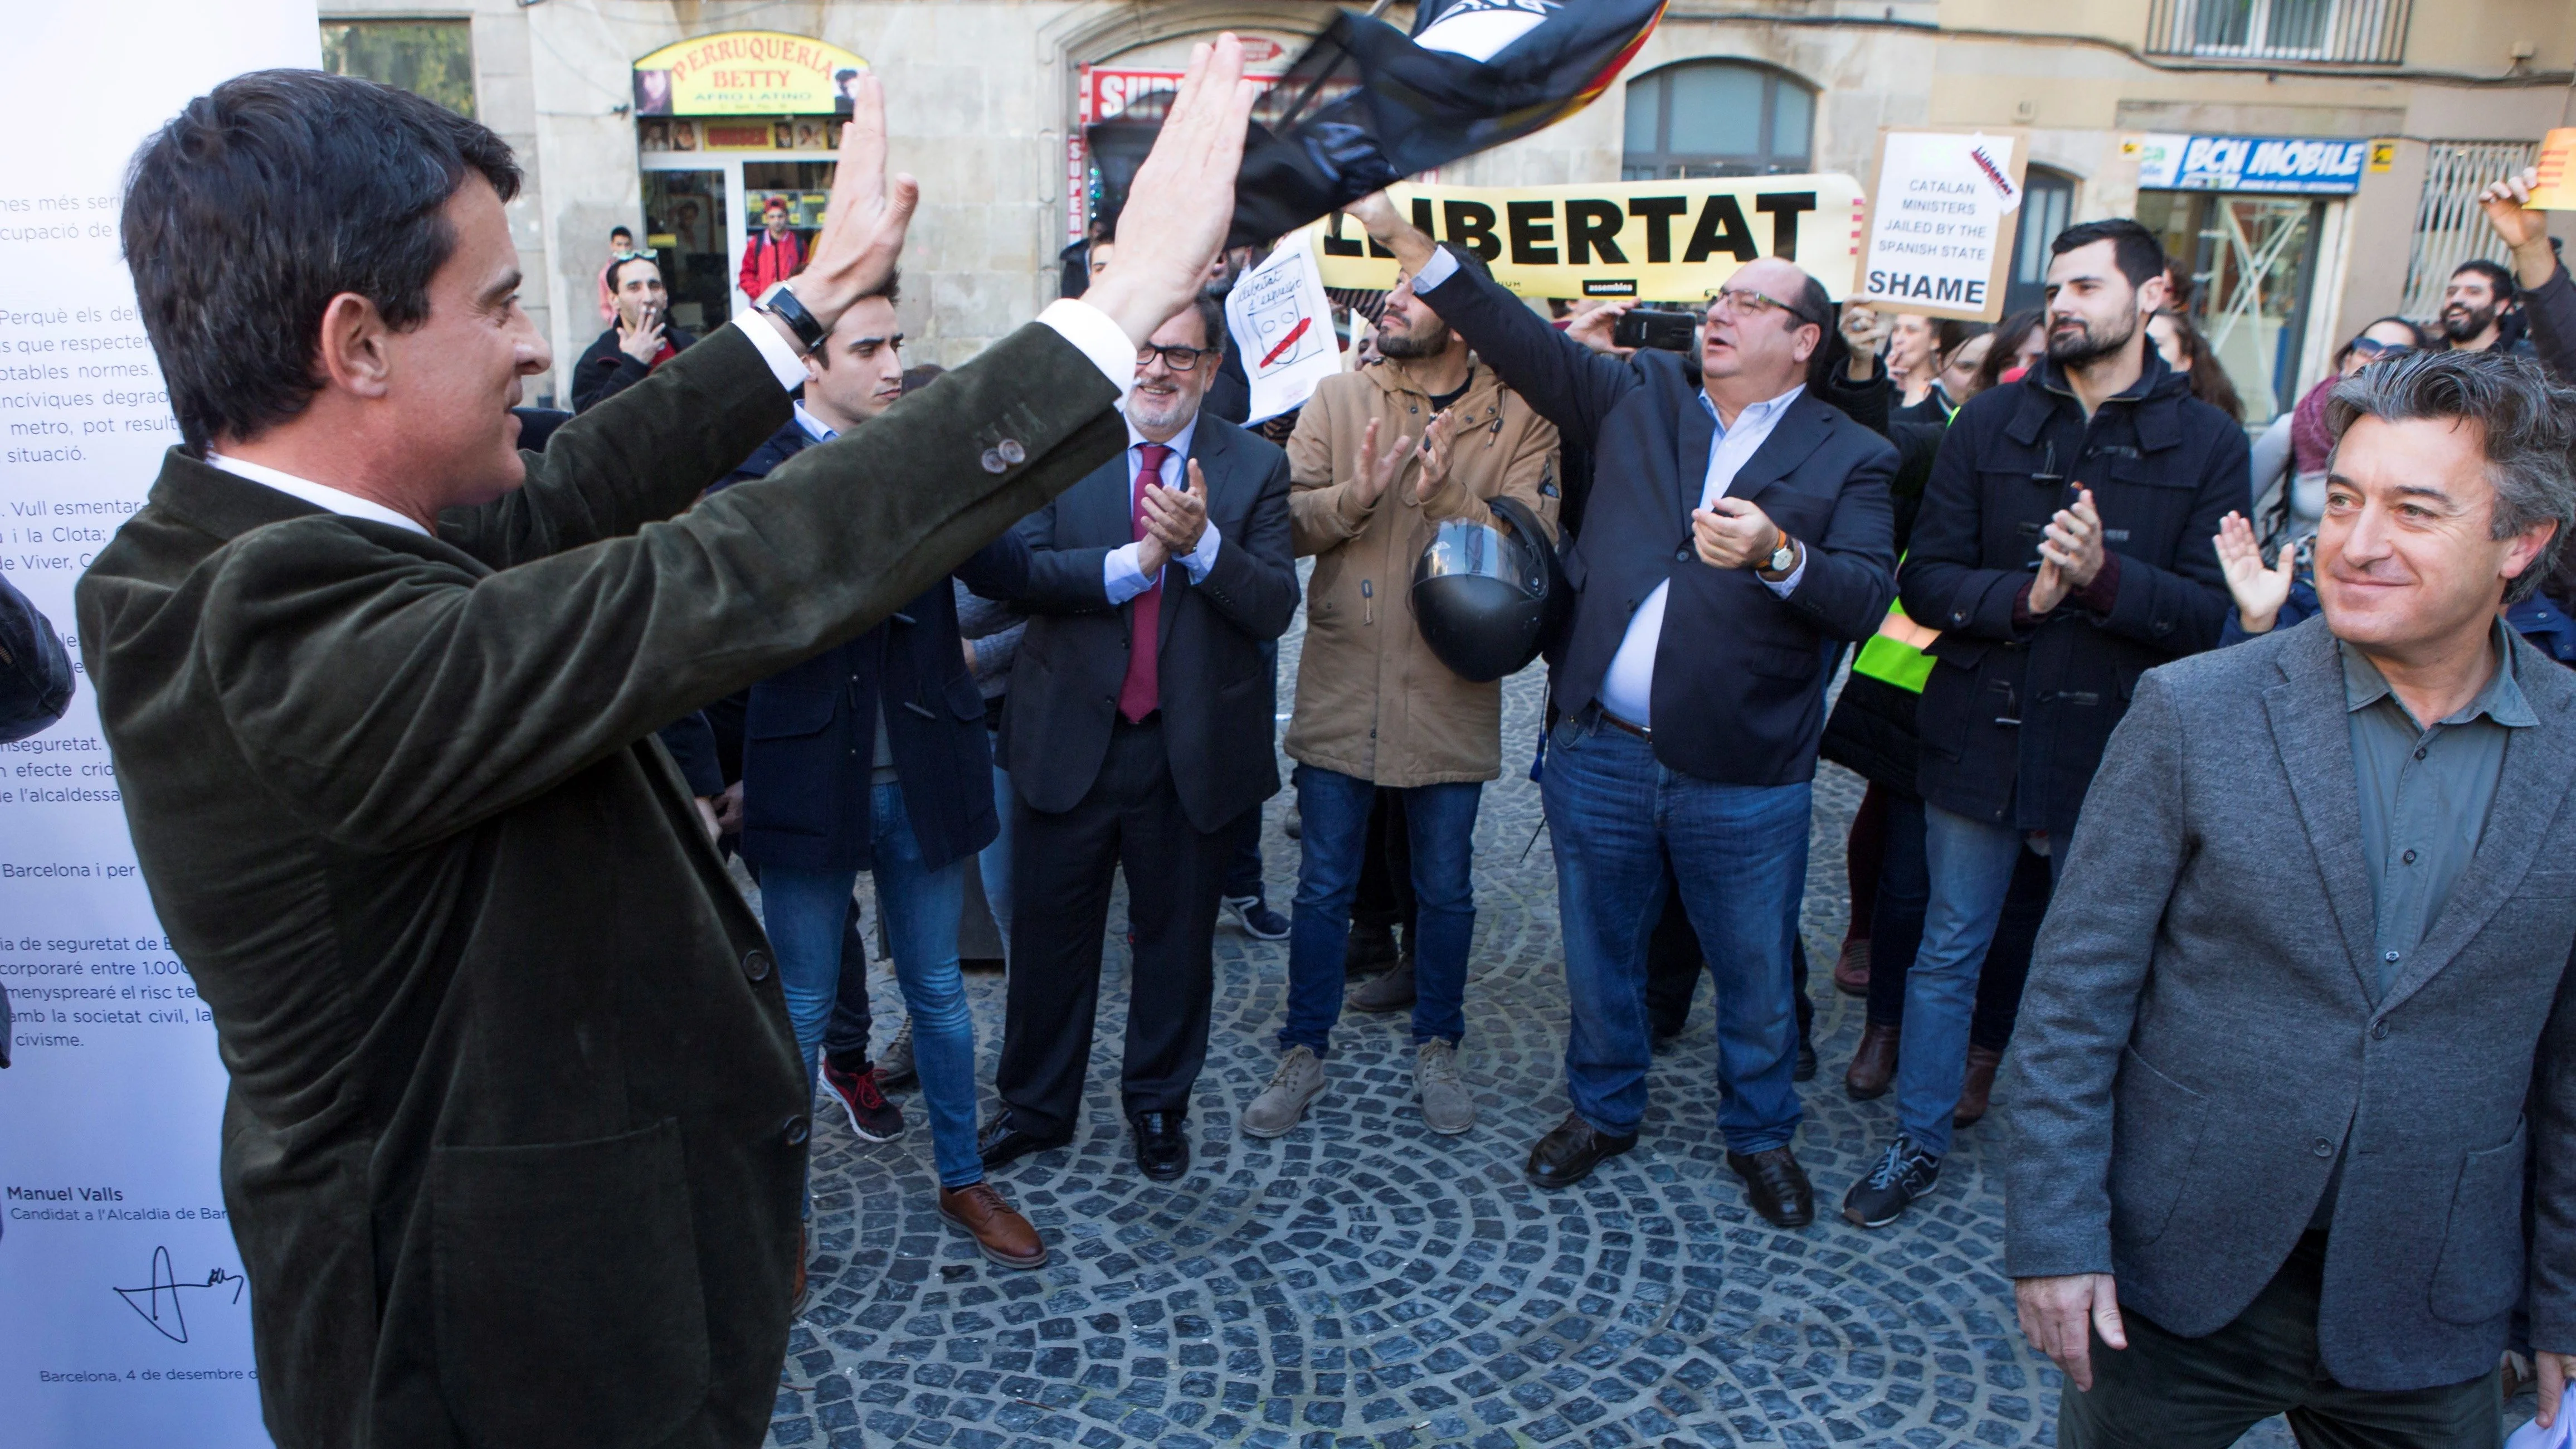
(1175, 521)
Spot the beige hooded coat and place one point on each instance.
(1373, 702)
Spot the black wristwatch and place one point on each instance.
(781, 303)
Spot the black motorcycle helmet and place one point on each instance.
(1489, 598)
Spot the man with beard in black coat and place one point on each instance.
(2063, 549)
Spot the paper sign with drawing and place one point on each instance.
(1283, 327)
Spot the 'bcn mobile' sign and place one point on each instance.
(2169, 161)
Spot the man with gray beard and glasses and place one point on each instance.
(1138, 734)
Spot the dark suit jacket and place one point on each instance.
(2199, 1041)
(1216, 696)
(810, 733)
(605, 370)
(516, 1135)
(1739, 693)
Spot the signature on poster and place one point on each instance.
(162, 1302)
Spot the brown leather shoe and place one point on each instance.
(1851, 973)
(1005, 1237)
(1873, 1065)
(1978, 1086)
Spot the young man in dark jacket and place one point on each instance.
(640, 340)
(2063, 549)
(872, 756)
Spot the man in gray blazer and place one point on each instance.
(2302, 1012)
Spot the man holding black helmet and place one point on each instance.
(1375, 708)
(1737, 534)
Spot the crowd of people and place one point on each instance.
(2207, 773)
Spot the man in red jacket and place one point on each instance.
(774, 253)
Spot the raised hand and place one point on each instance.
(2259, 592)
(1375, 470)
(1179, 519)
(1596, 323)
(2507, 205)
(1865, 331)
(864, 226)
(1185, 193)
(1435, 455)
(1388, 228)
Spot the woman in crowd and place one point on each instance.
(2290, 457)
(1917, 350)
(2019, 342)
(2187, 352)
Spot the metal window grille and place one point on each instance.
(2449, 228)
(2367, 32)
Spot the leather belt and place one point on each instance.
(1616, 723)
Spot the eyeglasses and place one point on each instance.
(2371, 349)
(1178, 359)
(1743, 304)
(631, 254)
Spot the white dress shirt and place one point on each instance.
(1103, 342)
(1628, 689)
(1121, 577)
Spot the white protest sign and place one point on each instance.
(123, 1315)
(1942, 207)
(1283, 327)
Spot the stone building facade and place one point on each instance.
(986, 95)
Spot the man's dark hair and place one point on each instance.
(263, 200)
(626, 232)
(616, 269)
(2526, 427)
(2134, 249)
(1211, 312)
(2499, 278)
(891, 290)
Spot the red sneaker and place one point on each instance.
(871, 1116)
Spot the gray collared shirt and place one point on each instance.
(2424, 795)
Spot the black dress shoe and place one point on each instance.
(1162, 1147)
(1776, 1186)
(1003, 1140)
(1569, 1152)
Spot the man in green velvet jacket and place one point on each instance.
(516, 1128)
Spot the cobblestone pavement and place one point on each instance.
(1361, 1282)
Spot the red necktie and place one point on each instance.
(1142, 694)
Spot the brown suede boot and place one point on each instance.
(1979, 1085)
(1005, 1237)
(1873, 1066)
(1851, 973)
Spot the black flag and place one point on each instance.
(1368, 105)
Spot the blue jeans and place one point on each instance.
(1739, 854)
(1970, 864)
(803, 910)
(993, 863)
(1440, 825)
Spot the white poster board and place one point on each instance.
(1283, 327)
(123, 1318)
(1942, 207)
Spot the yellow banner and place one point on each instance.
(747, 73)
(1660, 241)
